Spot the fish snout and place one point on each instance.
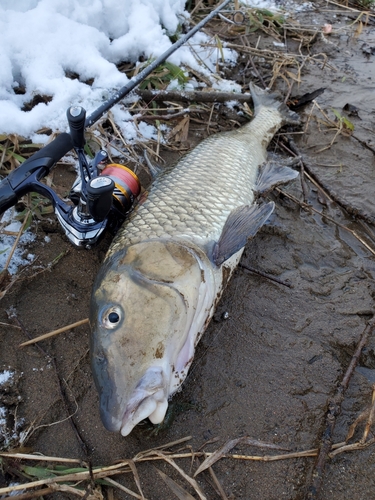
(149, 400)
(110, 402)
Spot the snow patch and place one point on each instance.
(7, 242)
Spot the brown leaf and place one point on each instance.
(189, 479)
(229, 445)
(180, 131)
(180, 493)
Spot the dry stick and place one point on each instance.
(40, 458)
(303, 180)
(293, 81)
(34, 494)
(8, 324)
(165, 95)
(350, 209)
(217, 484)
(294, 151)
(352, 447)
(16, 241)
(123, 466)
(334, 409)
(370, 418)
(265, 275)
(78, 476)
(369, 13)
(164, 446)
(54, 332)
(189, 479)
(173, 116)
(245, 43)
(123, 488)
(309, 207)
(5, 148)
(64, 398)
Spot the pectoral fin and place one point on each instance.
(273, 174)
(241, 224)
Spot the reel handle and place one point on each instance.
(99, 197)
(24, 178)
(76, 118)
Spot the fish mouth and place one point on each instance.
(144, 406)
(149, 400)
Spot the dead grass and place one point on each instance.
(52, 474)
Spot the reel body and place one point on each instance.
(101, 196)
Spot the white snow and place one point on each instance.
(10, 437)
(7, 241)
(285, 5)
(5, 376)
(43, 41)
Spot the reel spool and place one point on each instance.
(127, 185)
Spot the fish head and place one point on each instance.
(143, 310)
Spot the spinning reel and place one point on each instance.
(101, 196)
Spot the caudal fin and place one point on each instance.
(270, 100)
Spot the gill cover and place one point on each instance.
(143, 304)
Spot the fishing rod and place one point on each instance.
(101, 196)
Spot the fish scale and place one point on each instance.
(166, 269)
(194, 199)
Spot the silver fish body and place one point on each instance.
(165, 270)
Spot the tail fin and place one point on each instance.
(269, 100)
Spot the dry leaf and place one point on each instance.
(180, 493)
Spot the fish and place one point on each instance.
(168, 265)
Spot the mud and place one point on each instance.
(270, 368)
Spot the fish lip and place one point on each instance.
(148, 399)
(147, 407)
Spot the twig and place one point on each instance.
(5, 148)
(308, 207)
(16, 241)
(189, 479)
(217, 484)
(352, 447)
(8, 324)
(40, 458)
(245, 43)
(164, 446)
(118, 133)
(369, 13)
(210, 117)
(54, 332)
(371, 417)
(34, 494)
(265, 275)
(197, 96)
(125, 466)
(334, 409)
(293, 81)
(320, 184)
(171, 116)
(12, 314)
(123, 488)
(303, 180)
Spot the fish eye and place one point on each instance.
(111, 317)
